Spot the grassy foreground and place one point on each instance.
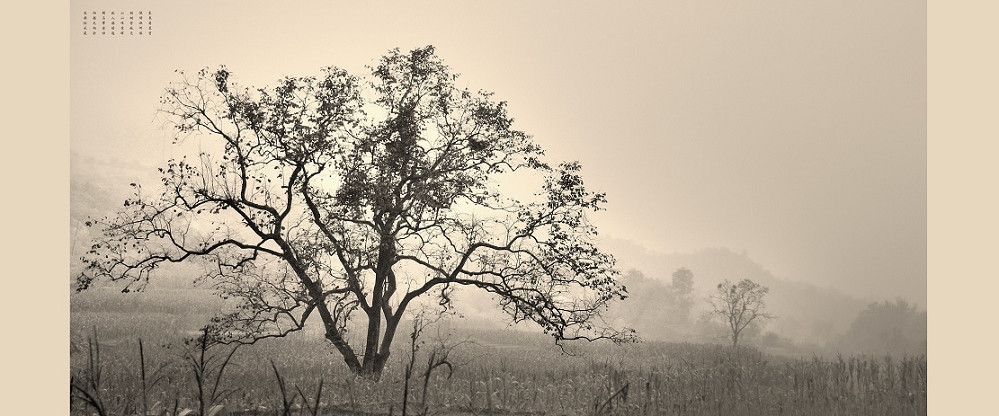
(488, 372)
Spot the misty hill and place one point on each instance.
(806, 313)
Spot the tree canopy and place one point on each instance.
(342, 197)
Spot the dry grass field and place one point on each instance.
(491, 372)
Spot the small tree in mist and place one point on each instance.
(739, 305)
(336, 198)
(682, 290)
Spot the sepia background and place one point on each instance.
(765, 195)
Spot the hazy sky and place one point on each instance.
(795, 131)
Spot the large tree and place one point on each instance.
(346, 199)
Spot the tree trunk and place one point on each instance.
(371, 342)
(372, 368)
(374, 357)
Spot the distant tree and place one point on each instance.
(682, 290)
(311, 200)
(683, 281)
(739, 305)
(657, 308)
(887, 328)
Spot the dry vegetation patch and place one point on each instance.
(499, 372)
